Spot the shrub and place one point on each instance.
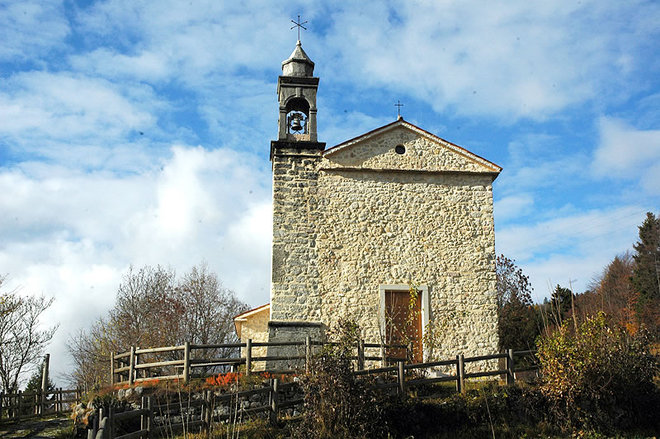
(337, 403)
(508, 411)
(598, 377)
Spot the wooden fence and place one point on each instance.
(24, 404)
(419, 373)
(192, 415)
(199, 413)
(39, 403)
(178, 362)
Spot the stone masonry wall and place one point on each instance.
(294, 288)
(422, 153)
(383, 226)
(435, 230)
(365, 216)
(256, 328)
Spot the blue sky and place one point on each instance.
(138, 132)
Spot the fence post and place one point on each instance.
(145, 419)
(274, 401)
(150, 416)
(383, 358)
(401, 375)
(186, 362)
(460, 372)
(248, 356)
(360, 354)
(97, 423)
(308, 352)
(510, 377)
(131, 366)
(137, 361)
(112, 368)
(110, 424)
(44, 383)
(208, 411)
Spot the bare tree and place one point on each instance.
(22, 343)
(146, 311)
(90, 352)
(208, 310)
(612, 291)
(153, 309)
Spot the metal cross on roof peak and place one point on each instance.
(398, 106)
(299, 25)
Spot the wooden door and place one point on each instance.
(403, 323)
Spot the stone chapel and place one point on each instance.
(358, 225)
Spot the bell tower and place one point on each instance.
(296, 156)
(296, 93)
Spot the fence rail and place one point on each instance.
(40, 402)
(25, 404)
(178, 362)
(200, 413)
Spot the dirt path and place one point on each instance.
(36, 428)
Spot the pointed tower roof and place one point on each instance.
(298, 63)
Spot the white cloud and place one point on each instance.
(570, 246)
(182, 42)
(513, 206)
(28, 28)
(40, 108)
(91, 104)
(626, 152)
(71, 235)
(567, 271)
(534, 177)
(145, 65)
(520, 59)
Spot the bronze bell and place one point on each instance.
(296, 122)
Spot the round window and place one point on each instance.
(400, 149)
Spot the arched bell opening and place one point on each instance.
(297, 116)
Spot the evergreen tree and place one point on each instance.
(646, 274)
(560, 304)
(34, 384)
(518, 326)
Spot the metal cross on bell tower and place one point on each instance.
(296, 91)
(299, 25)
